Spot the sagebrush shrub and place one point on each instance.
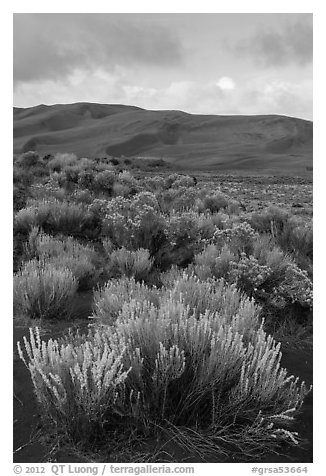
(214, 262)
(137, 264)
(60, 160)
(103, 181)
(42, 291)
(64, 253)
(161, 366)
(214, 203)
(54, 216)
(76, 385)
(109, 300)
(28, 159)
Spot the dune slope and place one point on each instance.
(267, 144)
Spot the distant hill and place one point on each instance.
(250, 144)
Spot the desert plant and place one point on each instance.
(76, 385)
(103, 181)
(214, 262)
(176, 371)
(54, 216)
(42, 291)
(64, 253)
(137, 264)
(239, 237)
(134, 223)
(28, 159)
(60, 160)
(214, 203)
(109, 299)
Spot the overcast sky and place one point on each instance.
(199, 63)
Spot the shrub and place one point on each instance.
(60, 160)
(216, 296)
(42, 291)
(47, 190)
(268, 275)
(214, 262)
(54, 216)
(86, 179)
(288, 232)
(134, 223)
(239, 238)
(29, 159)
(137, 264)
(163, 367)
(103, 181)
(183, 181)
(71, 174)
(20, 195)
(109, 300)
(214, 203)
(76, 385)
(64, 253)
(120, 190)
(182, 230)
(154, 184)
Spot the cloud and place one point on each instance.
(225, 83)
(292, 44)
(53, 46)
(258, 95)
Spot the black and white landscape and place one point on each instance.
(163, 243)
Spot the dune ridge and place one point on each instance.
(263, 143)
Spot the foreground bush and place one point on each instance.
(162, 367)
(42, 291)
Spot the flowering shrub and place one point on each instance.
(76, 385)
(182, 229)
(154, 184)
(239, 238)
(296, 287)
(248, 274)
(42, 291)
(50, 189)
(109, 300)
(269, 276)
(137, 264)
(135, 369)
(134, 223)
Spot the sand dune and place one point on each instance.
(270, 143)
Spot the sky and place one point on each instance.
(207, 63)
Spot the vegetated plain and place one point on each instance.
(177, 289)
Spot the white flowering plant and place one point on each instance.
(164, 366)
